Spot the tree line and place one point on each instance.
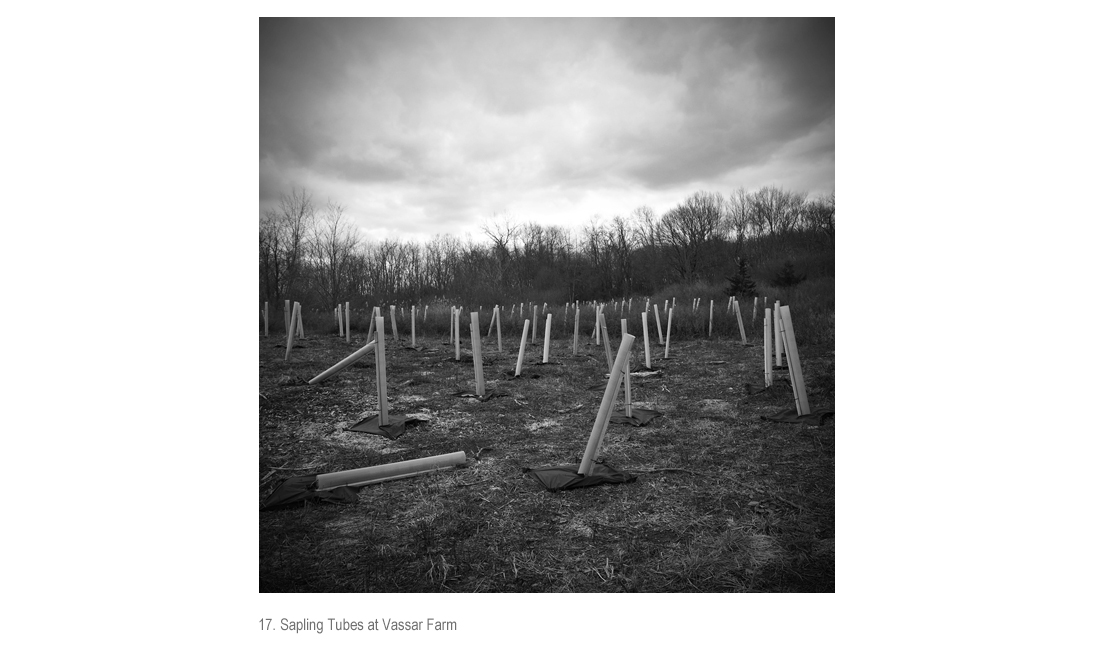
(314, 253)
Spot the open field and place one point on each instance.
(723, 501)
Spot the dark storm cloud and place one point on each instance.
(316, 83)
(289, 80)
(450, 120)
(749, 87)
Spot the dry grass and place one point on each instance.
(724, 502)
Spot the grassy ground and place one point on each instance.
(724, 501)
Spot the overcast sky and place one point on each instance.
(421, 126)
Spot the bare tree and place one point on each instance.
(688, 231)
(594, 245)
(775, 210)
(335, 243)
(415, 271)
(283, 241)
(441, 258)
(819, 216)
(503, 234)
(735, 225)
(270, 259)
(647, 227)
(620, 247)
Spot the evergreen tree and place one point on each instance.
(787, 277)
(741, 284)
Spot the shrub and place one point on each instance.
(812, 307)
(741, 284)
(787, 277)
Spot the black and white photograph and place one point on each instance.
(546, 333)
(546, 305)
